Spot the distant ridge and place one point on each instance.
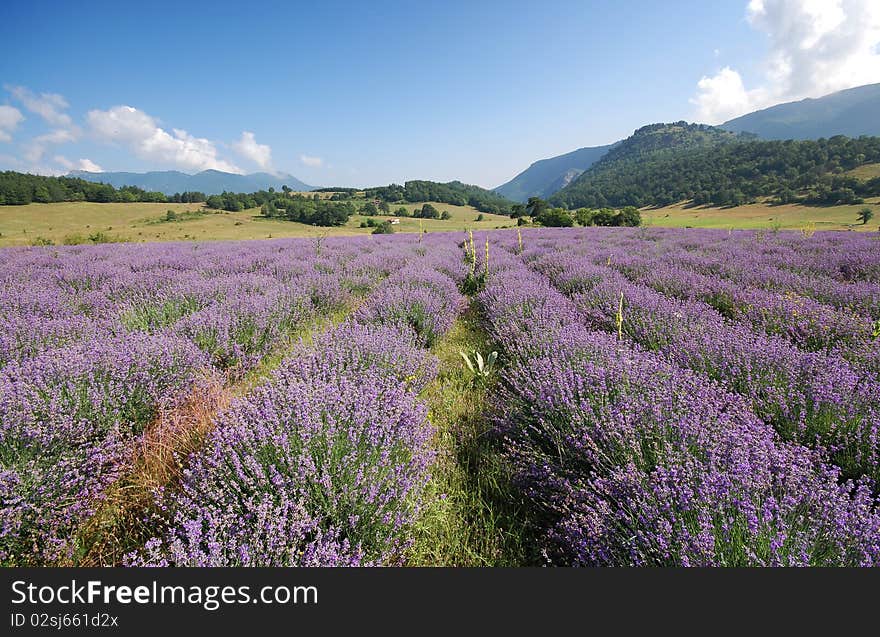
(210, 182)
(852, 112)
(547, 176)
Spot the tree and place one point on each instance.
(428, 212)
(629, 216)
(603, 217)
(41, 195)
(555, 218)
(584, 216)
(384, 207)
(865, 215)
(384, 228)
(369, 209)
(536, 206)
(445, 216)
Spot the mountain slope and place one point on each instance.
(546, 176)
(663, 164)
(614, 171)
(210, 182)
(852, 112)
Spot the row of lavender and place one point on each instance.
(94, 342)
(232, 300)
(630, 458)
(324, 464)
(813, 311)
(816, 398)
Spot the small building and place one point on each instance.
(394, 222)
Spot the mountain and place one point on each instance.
(609, 181)
(663, 164)
(853, 112)
(546, 176)
(210, 182)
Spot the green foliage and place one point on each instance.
(427, 211)
(865, 215)
(536, 206)
(629, 216)
(303, 209)
(188, 197)
(369, 209)
(662, 164)
(445, 216)
(21, 189)
(479, 367)
(384, 227)
(554, 218)
(453, 192)
(480, 217)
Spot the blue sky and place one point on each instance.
(367, 93)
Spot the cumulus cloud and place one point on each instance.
(10, 117)
(142, 134)
(82, 164)
(49, 106)
(247, 147)
(314, 162)
(816, 47)
(36, 148)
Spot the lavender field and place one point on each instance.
(660, 398)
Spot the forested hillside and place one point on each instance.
(662, 164)
(23, 188)
(453, 192)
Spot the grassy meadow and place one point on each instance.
(763, 216)
(75, 222)
(141, 222)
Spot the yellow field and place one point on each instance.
(865, 171)
(23, 225)
(761, 215)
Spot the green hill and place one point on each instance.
(453, 192)
(665, 163)
(210, 182)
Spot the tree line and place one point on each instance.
(454, 193)
(19, 189)
(543, 214)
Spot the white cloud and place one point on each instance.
(724, 96)
(82, 164)
(49, 106)
(816, 47)
(89, 165)
(314, 162)
(34, 149)
(141, 133)
(260, 154)
(10, 117)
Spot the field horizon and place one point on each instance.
(147, 222)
